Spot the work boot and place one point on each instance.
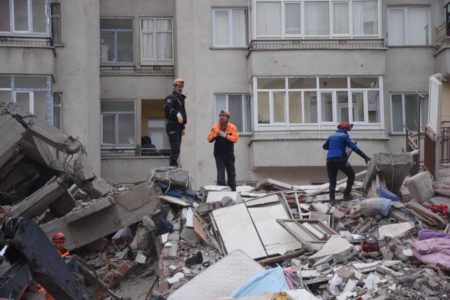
(348, 196)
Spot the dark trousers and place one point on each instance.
(226, 162)
(174, 133)
(339, 164)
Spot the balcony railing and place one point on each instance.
(442, 33)
(137, 71)
(139, 152)
(348, 44)
(25, 41)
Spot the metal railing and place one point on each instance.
(442, 33)
(25, 41)
(414, 140)
(299, 44)
(137, 71)
(138, 152)
(445, 142)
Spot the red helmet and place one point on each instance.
(345, 125)
(59, 237)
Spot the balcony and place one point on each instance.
(137, 71)
(442, 47)
(315, 44)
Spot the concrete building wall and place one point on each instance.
(31, 60)
(77, 74)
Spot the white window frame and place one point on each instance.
(229, 10)
(319, 124)
(116, 145)
(115, 31)
(302, 34)
(154, 61)
(245, 114)
(403, 94)
(405, 8)
(13, 32)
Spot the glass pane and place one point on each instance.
(278, 107)
(126, 129)
(4, 15)
(364, 82)
(342, 109)
(374, 106)
(396, 23)
(248, 114)
(40, 105)
(292, 22)
(28, 82)
(107, 46)
(221, 104)
(116, 24)
(57, 117)
(424, 112)
(163, 46)
(295, 107)
(147, 46)
(5, 96)
(222, 33)
(302, 83)
(5, 82)
(117, 106)
(147, 24)
(358, 107)
(327, 107)
(239, 27)
(268, 18)
(57, 99)
(39, 19)
(333, 83)
(397, 113)
(418, 25)
(310, 107)
(317, 18)
(271, 83)
(235, 109)
(21, 15)
(263, 108)
(23, 101)
(125, 46)
(412, 111)
(365, 17)
(108, 129)
(340, 18)
(163, 24)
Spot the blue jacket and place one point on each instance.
(337, 143)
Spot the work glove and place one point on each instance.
(222, 134)
(367, 159)
(183, 132)
(180, 118)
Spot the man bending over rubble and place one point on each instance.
(337, 158)
(225, 135)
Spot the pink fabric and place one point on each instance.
(433, 251)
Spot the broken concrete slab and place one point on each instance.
(395, 230)
(217, 196)
(420, 187)
(334, 245)
(12, 133)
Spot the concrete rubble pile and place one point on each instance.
(159, 239)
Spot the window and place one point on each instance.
(317, 18)
(56, 23)
(239, 107)
(30, 93)
(408, 111)
(116, 41)
(409, 26)
(313, 100)
(24, 17)
(156, 41)
(57, 110)
(118, 123)
(230, 27)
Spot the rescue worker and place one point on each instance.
(176, 119)
(337, 158)
(225, 135)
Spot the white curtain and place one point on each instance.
(164, 40)
(147, 39)
(397, 113)
(365, 17)
(268, 18)
(39, 18)
(222, 34)
(292, 18)
(221, 103)
(317, 18)
(310, 107)
(340, 18)
(418, 27)
(239, 27)
(396, 27)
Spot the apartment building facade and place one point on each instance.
(287, 70)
